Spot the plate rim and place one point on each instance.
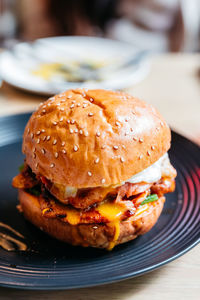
(116, 278)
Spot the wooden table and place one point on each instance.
(173, 86)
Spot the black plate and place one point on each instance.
(50, 264)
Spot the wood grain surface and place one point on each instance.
(173, 86)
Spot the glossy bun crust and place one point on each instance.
(87, 138)
(93, 235)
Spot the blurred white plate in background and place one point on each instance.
(29, 66)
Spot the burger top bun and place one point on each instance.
(87, 138)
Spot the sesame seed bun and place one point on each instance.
(88, 138)
(93, 235)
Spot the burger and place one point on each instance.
(96, 167)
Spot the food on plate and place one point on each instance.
(96, 167)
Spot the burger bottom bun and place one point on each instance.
(92, 235)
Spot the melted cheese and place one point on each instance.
(116, 226)
(111, 211)
(141, 209)
(73, 216)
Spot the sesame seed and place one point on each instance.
(86, 133)
(43, 111)
(72, 106)
(49, 104)
(36, 165)
(63, 100)
(48, 137)
(68, 121)
(44, 138)
(43, 130)
(72, 121)
(73, 101)
(91, 99)
(115, 147)
(34, 149)
(103, 180)
(34, 155)
(83, 94)
(58, 104)
(85, 105)
(52, 98)
(78, 104)
(141, 156)
(90, 114)
(56, 155)
(133, 112)
(76, 130)
(96, 160)
(55, 123)
(117, 123)
(152, 147)
(32, 135)
(64, 151)
(81, 131)
(103, 146)
(38, 132)
(28, 130)
(122, 159)
(98, 133)
(75, 148)
(38, 141)
(89, 173)
(71, 130)
(62, 109)
(161, 123)
(141, 140)
(61, 119)
(69, 96)
(55, 142)
(123, 146)
(52, 165)
(148, 153)
(135, 139)
(63, 144)
(43, 151)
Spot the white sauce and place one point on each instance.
(153, 173)
(70, 191)
(160, 168)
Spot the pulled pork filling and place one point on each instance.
(86, 205)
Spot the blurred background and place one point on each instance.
(157, 25)
(110, 32)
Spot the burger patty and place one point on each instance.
(86, 207)
(86, 198)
